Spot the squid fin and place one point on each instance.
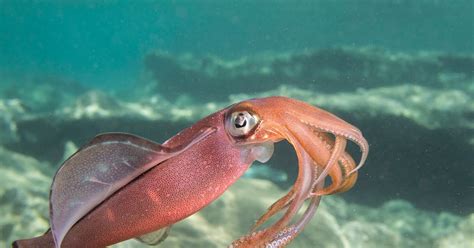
(99, 169)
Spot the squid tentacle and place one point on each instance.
(281, 235)
(284, 201)
(276, 207)
(344, 176)
(338, 149)
(340, 175)
(337, 127)
(346, 163)
(302, 185)
(361, 142)
(334, 150)
(289, 233)
(302, 188)
(285, 236)
(336, 172)
(318, 156)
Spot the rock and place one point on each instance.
(326, 70)
(462, 238)
(408, 105)
(98, 105)
(23, 196)
(416, 111)
(447, 109)
(42, 93)
(10, 110)
(24, 204)
(396, 120)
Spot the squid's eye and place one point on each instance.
(240, 123)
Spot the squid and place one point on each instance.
(120, 186)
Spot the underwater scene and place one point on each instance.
(398, 74)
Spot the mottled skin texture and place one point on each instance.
(184, 184)
(166, 194)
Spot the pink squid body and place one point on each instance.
(168, 193)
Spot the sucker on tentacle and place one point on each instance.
(356, 137)
(334, 149)
(346, 163)
(309, 130)
(337, 150)
(342, 180)
(277, 235)
(288, 234)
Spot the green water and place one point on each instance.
(401, 71)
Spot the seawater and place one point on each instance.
(401, 71)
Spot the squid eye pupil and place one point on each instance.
(240, 121)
